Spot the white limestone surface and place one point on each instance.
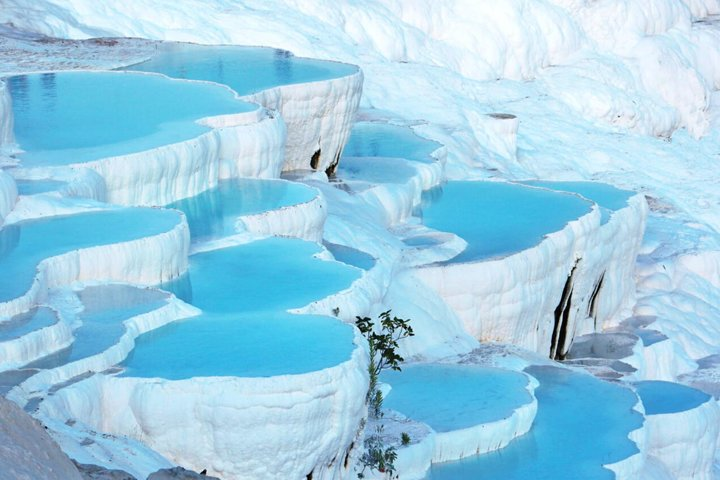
(686, 442)
(7, 135)
(292, 425)
(318, 115)
(246, 144)
(8, 195)
(36, 344)
(487, 437)
(304, 220)
(149, 260)
(42, 381)
(512, 299)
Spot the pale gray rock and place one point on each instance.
(26, 450)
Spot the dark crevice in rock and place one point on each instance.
(592, 306)
(315, 160)
(562, 318)
(330, 171)
(309, 476)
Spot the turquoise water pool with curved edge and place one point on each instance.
(73, 117)
(213, 213)
(25, 244)
(582, 423)
(608, 197)
(244, 330)
(378, 139)
(667, 397)
(453, 397)
(497, 218)
(244, 69)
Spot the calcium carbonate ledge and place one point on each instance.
(8, 195)
(148, 260)
(293, 426)
(318, 115)
(682, 428)
(303, 220)
(513, 299)
(247, 144)
(35, 344)
(38, 384)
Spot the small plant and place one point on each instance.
(383, 345)
(405, 438)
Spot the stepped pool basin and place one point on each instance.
(27, 322)
(453, 397)
(107, 307)
(498, 219)
(33, 187)
(608, 197)
(244, 330)
(582, 423)
(666, 397)
(214, 213)
(244, 69)
(351, 256)
(25, 244)
(377, 139)
(74, 117)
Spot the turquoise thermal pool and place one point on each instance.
(245, 330)
(667, 397)
(582, 424)
(498, 219)
(106, 308)
(73, 117)
(27, 322)
(214, 213)
(244, 69)
(609, 198)
(377, 139)
(453, 397)
(24, 245)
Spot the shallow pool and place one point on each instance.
(667, 397)
(377, 139)
(245, 331)
(244, 69)
(496, 218)
(453, 397)
(27, 322)
(72, 117)
(32, 187)
(582, 424)
(24, 245)
(351, 256)
(608, 197)
(107, 307)
(214, 213)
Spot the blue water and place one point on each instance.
(582, 423)
(376, 139)
(244, 69)
(667, 397)
(213, 213)
(32, 187)
(650, 337)
(106, 309)
(27, 322)
(351, 256)
(25, 244)
(497, 219)
(609, 198)
(244, 330)
(71, 117)
(375, 170)
(452, 397)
